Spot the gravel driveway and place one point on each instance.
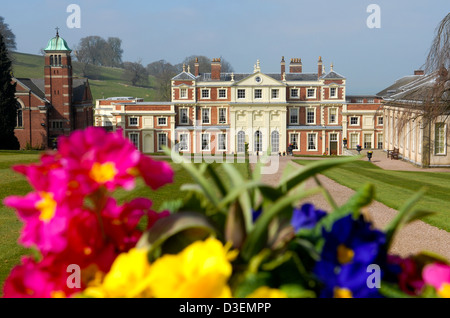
(412, 238)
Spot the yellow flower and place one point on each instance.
(127, 278)
(201, 270)
(267, 292)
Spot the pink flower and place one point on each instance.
(438, 276)
(155, 173)
(45, 220)
(33, 279)
(96, 158)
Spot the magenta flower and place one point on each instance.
(155, 173)
(45, 220)
(438, 276)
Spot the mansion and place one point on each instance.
(222, 113)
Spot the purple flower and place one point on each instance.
(306, 217)
(349, 248)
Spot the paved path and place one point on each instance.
(412, 238)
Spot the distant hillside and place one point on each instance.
(108, 81)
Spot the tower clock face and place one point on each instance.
(258, 79)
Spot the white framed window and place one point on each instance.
(258, 93)
(183, 93)
(312, 141)
(222, 93)
(133, 121)
(205, 93)
(380, 120)
(367, 141)
(360, 100)
(19, 115)
(222, 115)
(293, 115)
(205, 115)
(162, 121)
(205, 142)
(371, 100)
(332, 115)
(241, 142)
(184, 117)
(294, 141)
(440, 142)
(241, 93)
(134, 138)
(354, 140)
(333, 92)
(310, 115)
(380, 141)
(275, 141)
(294, 93)
(162, 141)
(183, 142)
(222, 142)
(275, 93)
(311, 93)
(354, 121)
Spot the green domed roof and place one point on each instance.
(57, 44)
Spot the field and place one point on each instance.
(392, 188)
(108, 81)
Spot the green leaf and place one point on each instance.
(405, 215)
(360, 199)
(197, 175)
(244, 198)
(392, 291)
(235, 226)
(297, 291)
(165, 228)
(250, 282)
(312, 169)
(257, 238)
(172, 206)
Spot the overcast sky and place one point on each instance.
(242, 31)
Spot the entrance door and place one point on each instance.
(333, 144)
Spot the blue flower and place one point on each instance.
(256, 214)
(349, 248)
(306, 217)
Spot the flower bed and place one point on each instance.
(231, 237)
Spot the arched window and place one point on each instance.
(19, 115)
(275, 141)
(258, 141)
(51, 60)
(241, 142)
(59, 60)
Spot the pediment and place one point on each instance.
(259, 79)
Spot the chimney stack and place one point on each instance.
(215, 69)
(319, 67)
(283, 66)
(196, 67)
(419, 72)
(295, 66)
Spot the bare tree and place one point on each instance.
(204, 64)
(427, 98)
(95, 50)
(163, 72)
(135, 73)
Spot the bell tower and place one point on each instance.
(58, 86)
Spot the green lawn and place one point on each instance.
(12, 183)
(394, 188)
